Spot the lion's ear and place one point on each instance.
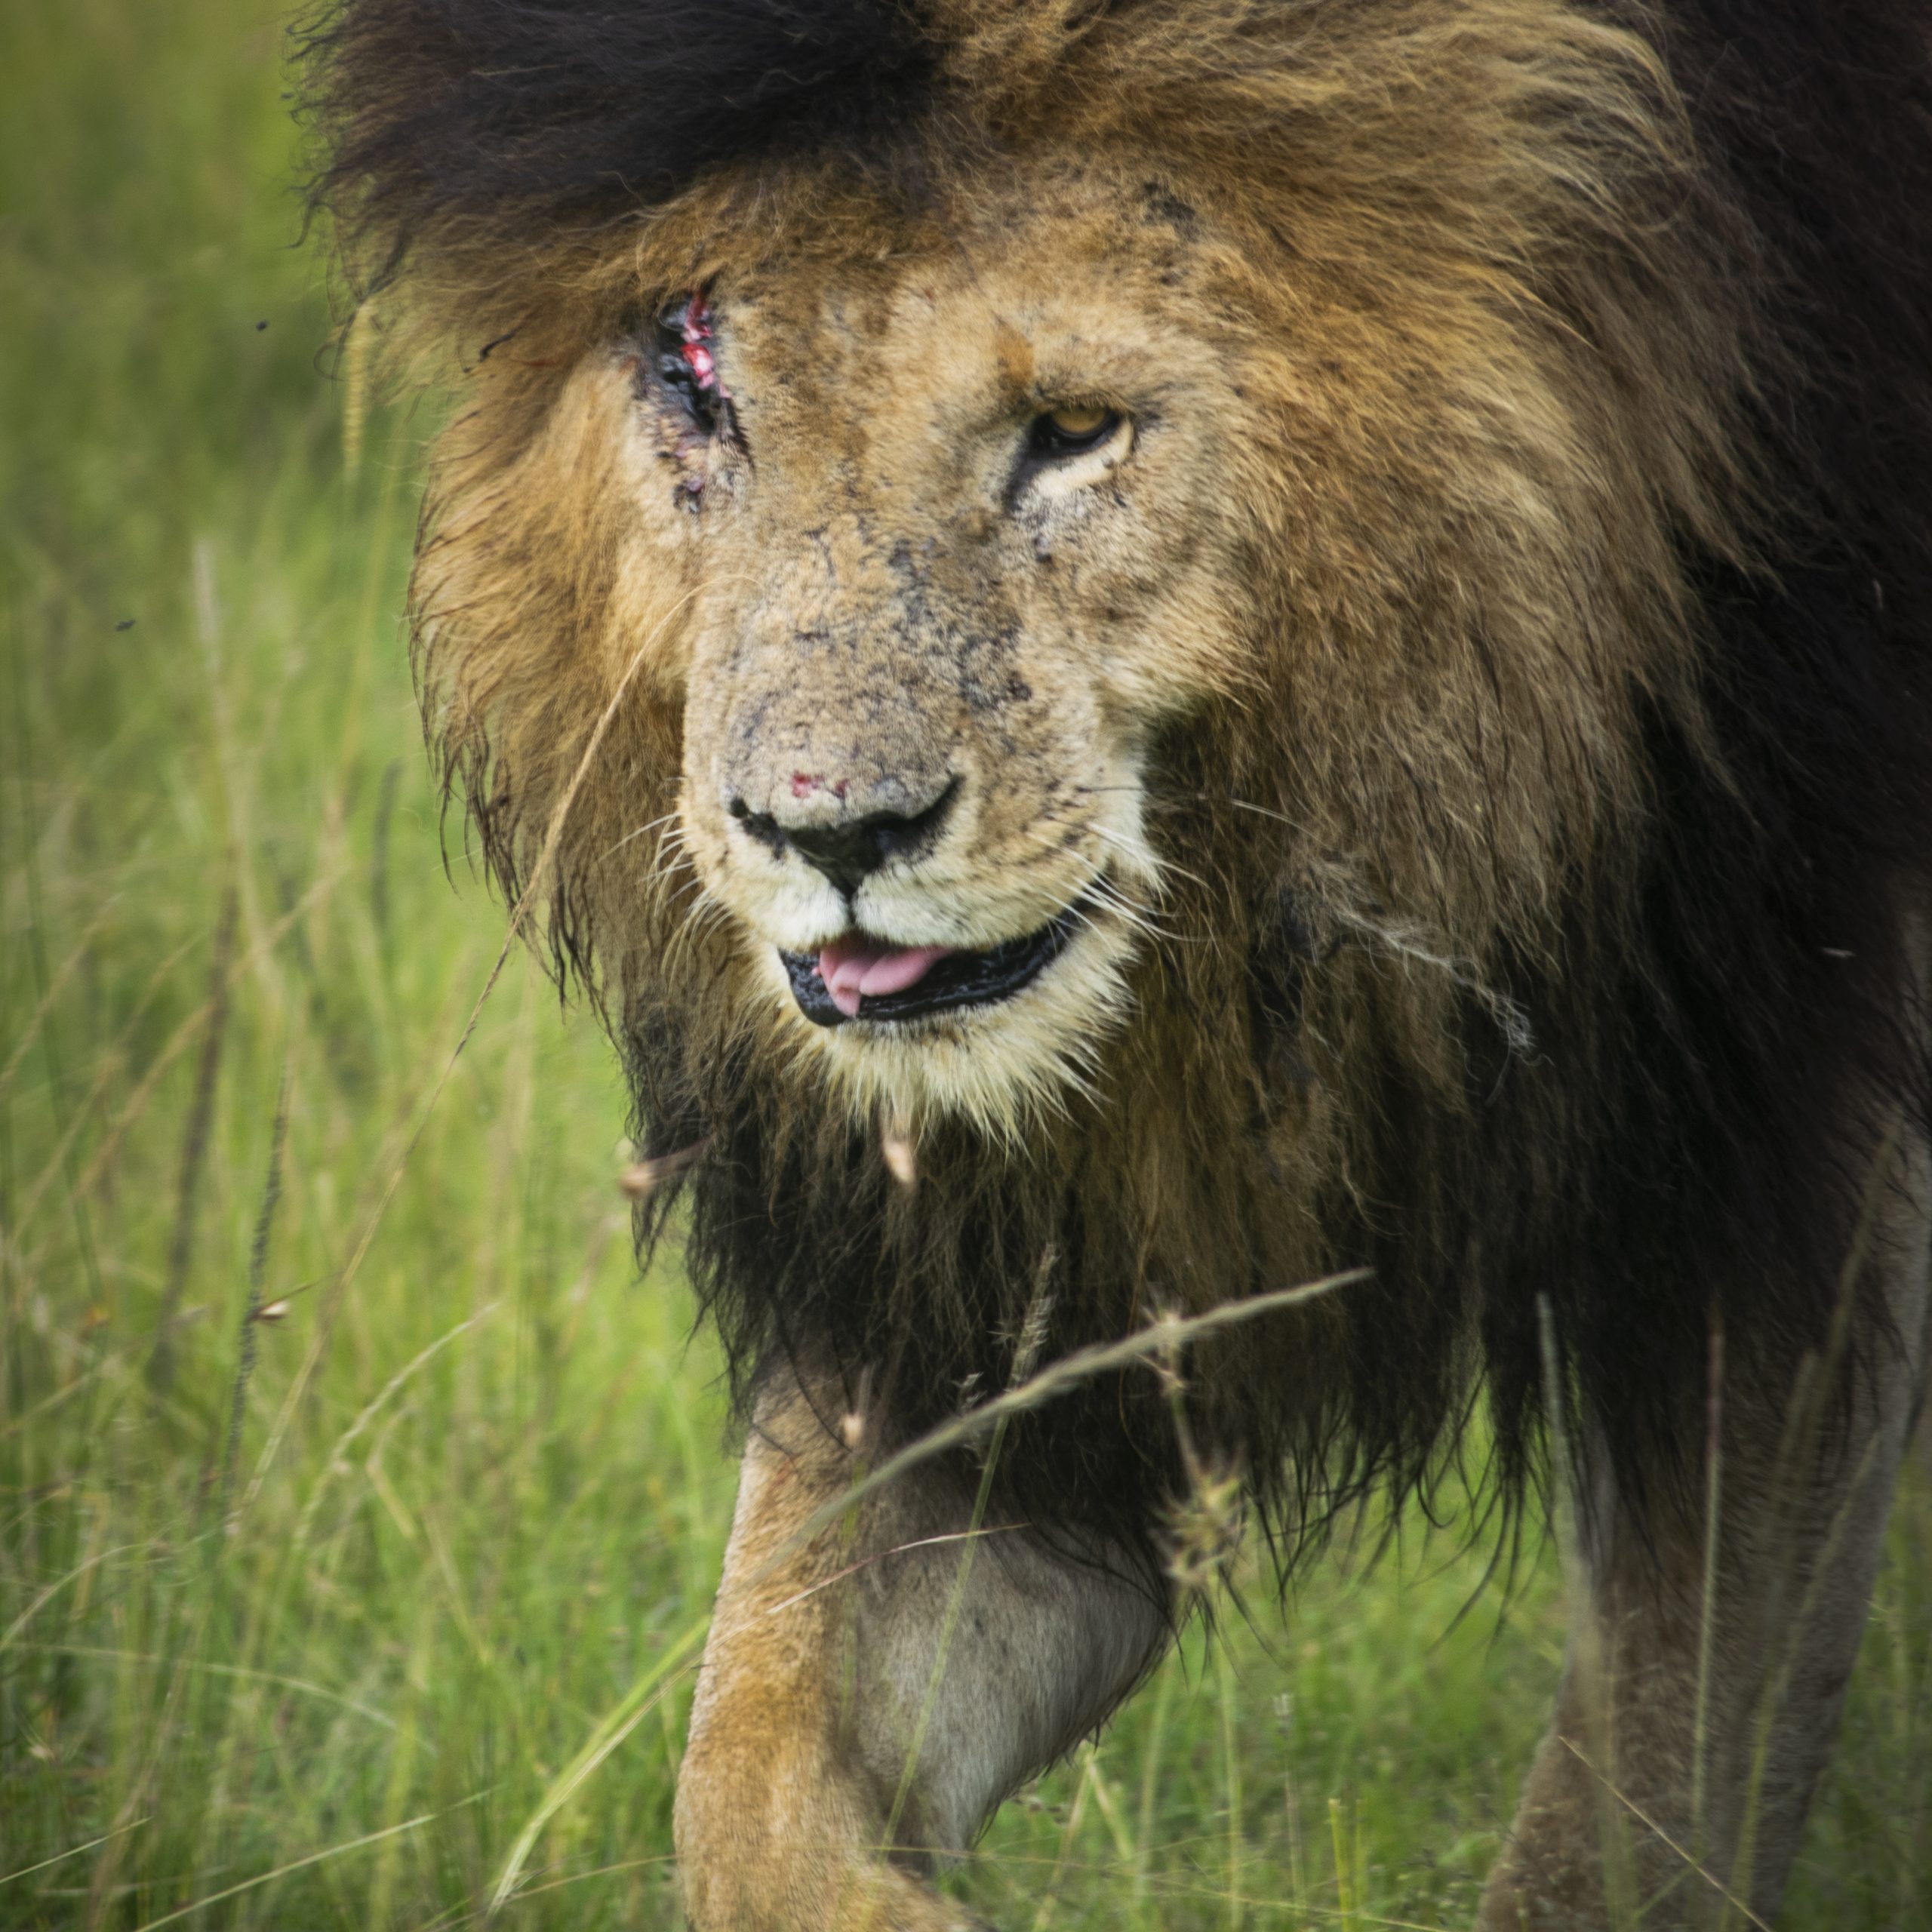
(473, 128)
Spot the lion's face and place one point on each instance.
(943, 516)
(996, 616)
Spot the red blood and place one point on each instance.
(696, 328)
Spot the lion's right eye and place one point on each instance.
(686, 361)
(1074, 430)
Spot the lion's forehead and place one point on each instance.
(881, 400)
(875, 361)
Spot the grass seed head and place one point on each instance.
(642, 1179)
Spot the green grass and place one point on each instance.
(306, 1624)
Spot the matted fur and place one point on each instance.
(1530, 863)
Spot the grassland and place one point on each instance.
(330, 1617)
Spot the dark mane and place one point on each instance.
(498, 120)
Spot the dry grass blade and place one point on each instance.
(373, 1408)
(251, 1313)
(896, 1147)
(642, 1179)
(880, 1556)
(61, 1857)
(54, 1590)
(357, 336)
(1732, 1901)
(195, 1141)
(294, 1865)
(1163, 1336)
(242, 1673)
(56, 986)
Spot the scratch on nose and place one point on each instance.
(804, 784)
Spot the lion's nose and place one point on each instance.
(848, 851)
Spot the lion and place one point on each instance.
(1147, 652)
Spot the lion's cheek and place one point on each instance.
(645, 637)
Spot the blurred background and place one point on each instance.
(360, 1505)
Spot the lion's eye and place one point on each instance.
(1068, 432)
(687, 337)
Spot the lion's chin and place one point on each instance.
(1006, 1039)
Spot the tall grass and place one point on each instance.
(359, 1506)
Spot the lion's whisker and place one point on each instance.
(669, 818)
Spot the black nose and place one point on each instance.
(849, 851)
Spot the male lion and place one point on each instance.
(1152, 649)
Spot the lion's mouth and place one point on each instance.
(859, 977)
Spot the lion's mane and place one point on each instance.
(1590, 1017)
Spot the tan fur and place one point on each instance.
(825, 1668)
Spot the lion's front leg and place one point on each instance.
(824, 1673)
(1673, 1785)
(1620, 1822)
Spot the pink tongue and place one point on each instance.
(856, 969)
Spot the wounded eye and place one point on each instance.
(687, 363)
(1069, 431)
